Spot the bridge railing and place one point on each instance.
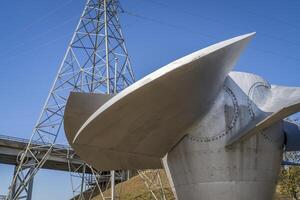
(2, 197)
(26, 141)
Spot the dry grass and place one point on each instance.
(135, 189)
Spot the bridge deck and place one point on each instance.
(12, 147)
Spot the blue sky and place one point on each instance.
(34, 36)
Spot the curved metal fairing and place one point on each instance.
(138, 126)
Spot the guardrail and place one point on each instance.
(26, 141)
(2, 197)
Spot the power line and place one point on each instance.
(17, 47)
(177, 27)
(163, 23)
(48, 43)
(274, 19)
(218, 21)
(40, 19)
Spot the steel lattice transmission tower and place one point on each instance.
(96, 61)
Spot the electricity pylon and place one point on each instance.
(96, 61)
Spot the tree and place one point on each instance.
(289, 181)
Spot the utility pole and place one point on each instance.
(112, 177)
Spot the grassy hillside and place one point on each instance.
(135, 189)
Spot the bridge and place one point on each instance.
(11, 148)
(62, 158)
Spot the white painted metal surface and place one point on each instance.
(138, 126)
(220, 132)
(202, 167)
